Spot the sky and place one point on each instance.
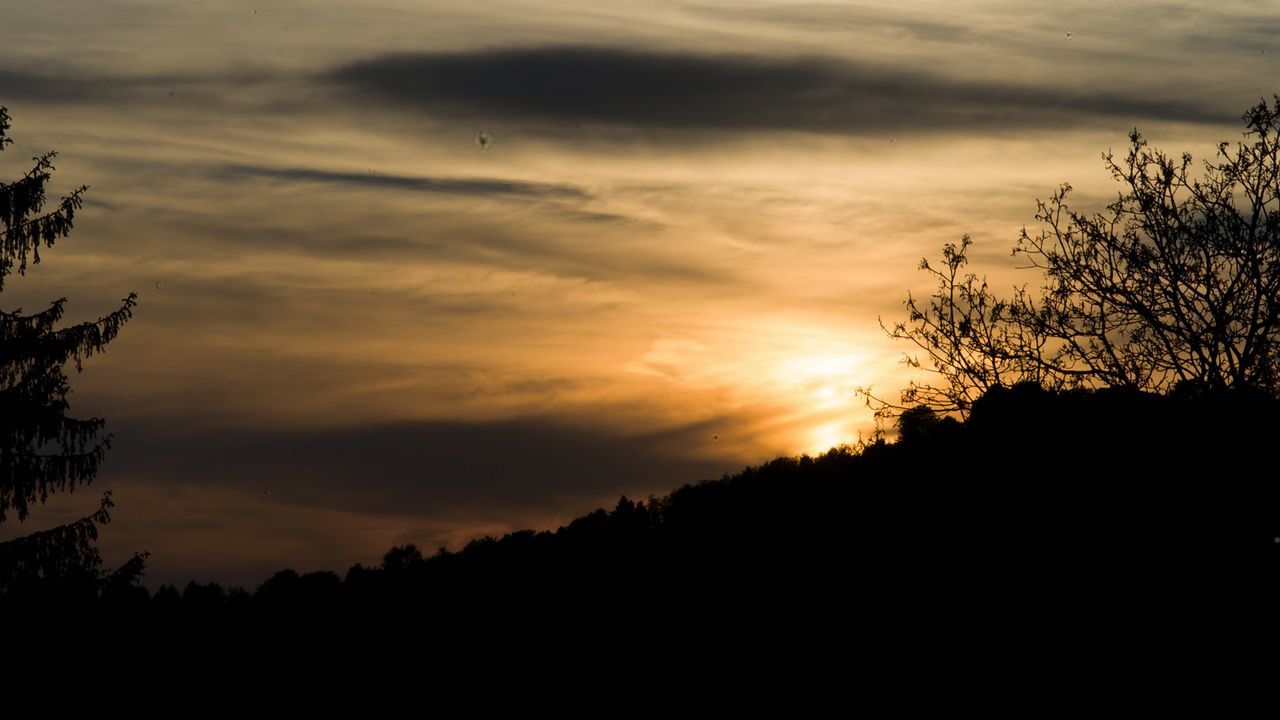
(417, 271)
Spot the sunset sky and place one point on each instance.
(358, 325)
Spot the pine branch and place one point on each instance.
(55, 552)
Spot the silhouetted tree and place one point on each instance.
(282, 588)
(200, 596)
(42, 450)
(1176, 283)
(402, 558)
(124, 586)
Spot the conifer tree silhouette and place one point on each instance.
(42, 450)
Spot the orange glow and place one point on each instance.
(823, 381)
(828, 435)
(791, 379)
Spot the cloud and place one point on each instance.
(234, 505)
(72, 84)
(439, 469)
(733, 92)
(20, 85)
(475, 187)
(841, 18)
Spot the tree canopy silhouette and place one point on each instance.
(1176, 284)
(42, 450)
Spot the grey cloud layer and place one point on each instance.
(709, 92)
(437, 468)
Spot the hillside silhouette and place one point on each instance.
(1044, 518)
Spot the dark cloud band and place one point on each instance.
(441, 469)
(708, 92)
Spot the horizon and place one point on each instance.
(401, 282)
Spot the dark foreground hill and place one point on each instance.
(961, 556)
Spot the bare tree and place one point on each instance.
(1175, 283)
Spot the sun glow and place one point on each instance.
(828, 435)
(793, 382)
(820, 387)
(826, 380)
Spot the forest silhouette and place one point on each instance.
(1006, 517)
(1044, 518)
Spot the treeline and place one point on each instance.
(1045, 510)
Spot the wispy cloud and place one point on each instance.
(79, 84)
(475, 187)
